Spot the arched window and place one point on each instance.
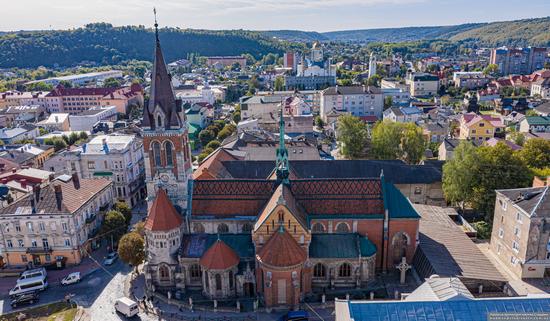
(218, 282)
(231, 281)
(198, 228)
(344, 271)
(168, 150)
(342, 228)
(247, 228)
(156, 154)
(400, 242)
(223, 228)
(195, 271)
(159, 121)
(164, 273)
(319, 271)
(318, 228)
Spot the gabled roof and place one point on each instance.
(219, 257)
(281, 250)
(437, 288)
(538, 120)
(535, 201)
(282, 196)
(162, 215)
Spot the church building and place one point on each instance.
(280, 238)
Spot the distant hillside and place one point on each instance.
(104, 44)
(295, 35)
(535, 32)
(398, 34)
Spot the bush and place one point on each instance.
(213, 145)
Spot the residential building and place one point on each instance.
(541, 88)
(53, 224)
(197, 94)
(18, 98)
(480, 127)
(21, 182)
(118, 158)
(87, 119)
(535, 124)
(519, 238)
(470, 80)
(17, 134)
(76, 100)
(199, 114)
(297, 116)
(398, 96)
(519, 61)
(226, 61)
(543, 109)
(435, 132)
(56, 121)
(81, 79)
(21, 114)
(448, 146)
(357, 100)
(422, 85)
(403, 114)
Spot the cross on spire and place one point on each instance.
(156, 25)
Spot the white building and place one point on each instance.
(81, 79)
(372, 65)
(117, 157)
(422, 85)
(200, 94)
(399, 96)
(357, 100)
(86, 120)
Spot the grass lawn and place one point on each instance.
(59, 311)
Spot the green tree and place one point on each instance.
(126, 211)
(386, 140)
(66, 84)
(131, 249)
(111, 83)
(459, 174)
(237, 117)
(58, 144)
(114, 225)
(214, 144)
(279, 84)
(388, 102)
(531, 112)
(483, 230)
(205, 136)
(83, 135)
(352, 136)
(319, 122)
(536, 153)
(413, 144)
(39, 86)
(491, 70)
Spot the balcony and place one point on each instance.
(39, 250)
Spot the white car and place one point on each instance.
(111, 258)
(71, 278)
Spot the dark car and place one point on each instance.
(25, 298)
(295, 316)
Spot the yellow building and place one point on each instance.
(480, 127)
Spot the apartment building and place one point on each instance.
(520, 237)
(519, 61)
(20, 98)
(53, 224)
(422, 85)
(470, 80)
(77, 100)
(357, 100)
(118, 158)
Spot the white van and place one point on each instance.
(29, 285)
(127, 307)
(31, 274)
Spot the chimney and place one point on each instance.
(76, 180)
(51, 177)
(58, 195)
(13, 169)
(23, 182)
(36, 190)
(33, 206)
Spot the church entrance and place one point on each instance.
(281, 291)
(248, 289)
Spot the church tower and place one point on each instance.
(165, 140)
(372, 65)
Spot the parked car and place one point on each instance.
(295, 316)
(111, 258)
(126, 306)
(71, 278)
(31, 274)
(26, 298)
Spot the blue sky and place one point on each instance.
(318, 15)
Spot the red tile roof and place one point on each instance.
(162, 214)
(62, 91)
(281, 250)
(219, 257)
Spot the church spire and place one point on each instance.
(162, 110)
(282, 166)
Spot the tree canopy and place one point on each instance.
(131, 249)
(393, 140)
(352, 136)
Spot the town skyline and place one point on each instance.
(303, 15)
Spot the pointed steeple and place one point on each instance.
(282, 166)
(162, 95)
